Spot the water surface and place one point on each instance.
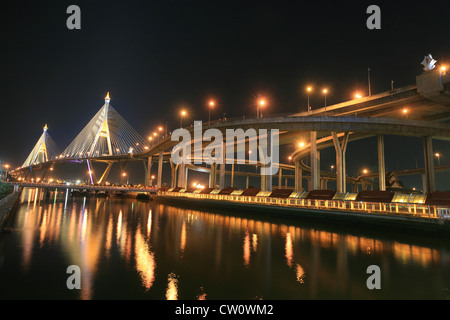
(130, 249)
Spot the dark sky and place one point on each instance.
(153, 56)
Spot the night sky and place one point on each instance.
(156, 56)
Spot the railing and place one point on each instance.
(6, 199)
(398, 209)
(83, 187)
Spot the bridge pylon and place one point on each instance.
(44, 150)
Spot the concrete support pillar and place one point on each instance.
(182, 175)
(340, 147)
(173, 174)
(381, 164)
(160, 169)
(298, 177)
(247, 182)
(280, 177)
(429, 164)
(424, 183)
(222, 175)
(213, 175)
(232, 175)
(315, 162)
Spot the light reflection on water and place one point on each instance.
(133, 249)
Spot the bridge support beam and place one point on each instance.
(381, 163)
(280, 177)
(160, 169)
(213, 175)
(340, 147)
(315, 162)
(222, 175)
(430, 180)
(298, 177)
(232, 175)
(182, 175)
(106, 173)
(173, 174)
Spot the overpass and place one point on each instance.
(419, 110)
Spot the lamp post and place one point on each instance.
(182, 114)
(308, 90)
(325, 91)
(261, 103)
(211, 105)
(438, 156)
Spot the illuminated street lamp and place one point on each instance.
(182, 115)
(301, 144)
(261, 104)
(438, 156)
(358, 96)
(325, 91)
(365, 171)
(211, 105)
(308, 90)
(151, 179)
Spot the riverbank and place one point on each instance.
(8, 206)
(410, 224)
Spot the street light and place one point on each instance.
(365, 171)
(182, 114)
(301, 144)
(151, 179)
(261, 104)
(438, 156)
(211, 105)
(308, 90)
(325, 91)
(358, 96)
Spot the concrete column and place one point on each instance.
(381, 163)
(173, 174)
(298, 177)
(149, 170)
(160, 169)
(340, 148)
(280, 177)
(181, 175)
(429, 164)
(424, 183)
(222, 175)
(247, 182)
(315, 162)
(232, 175)
(212, 175)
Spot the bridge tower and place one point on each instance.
(44, 150)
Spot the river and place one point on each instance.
(131, 249)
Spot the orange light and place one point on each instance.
(358, 96)
(211, 103)
(309, 89)
(262, 102)
(405, 111)
(325, 91)
(301, 144)
(107, 96)
(160, 128)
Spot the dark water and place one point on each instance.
(129, 249)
